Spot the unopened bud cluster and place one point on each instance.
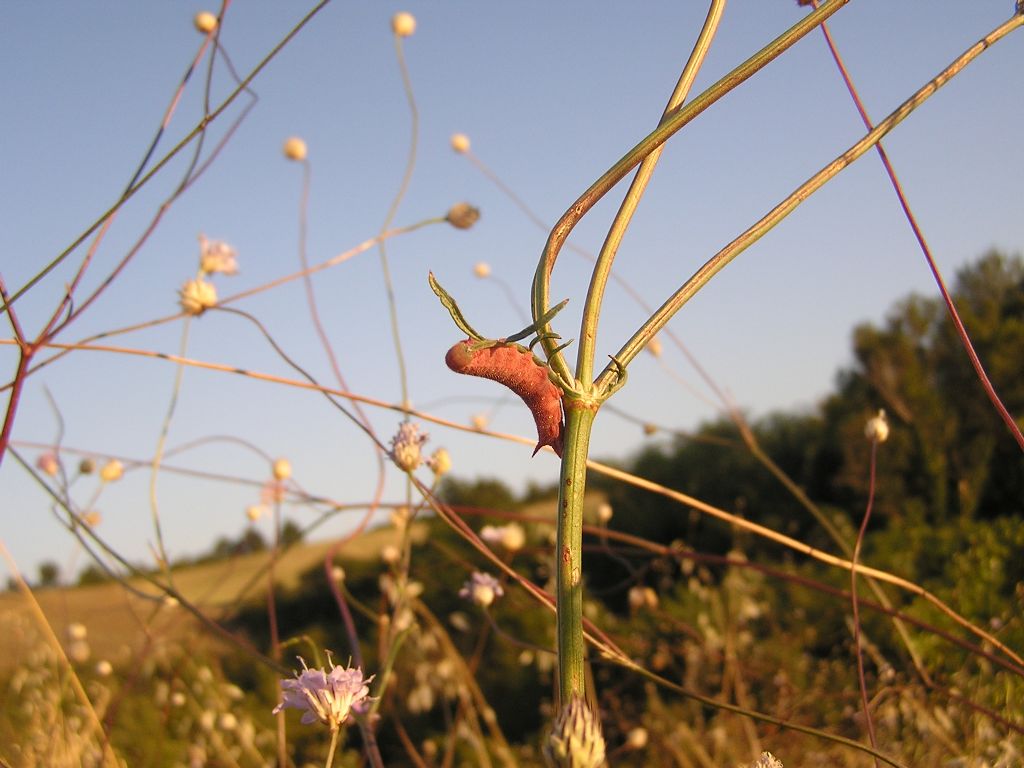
(576, 740)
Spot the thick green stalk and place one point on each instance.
(579, 420)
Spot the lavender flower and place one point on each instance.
(329, 697)
(406, 447)
(482, 589)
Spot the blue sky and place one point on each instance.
(550, 96)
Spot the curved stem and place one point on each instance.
(717, 262)
(603, 268)
(668, 127)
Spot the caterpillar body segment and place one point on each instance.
(516, 368)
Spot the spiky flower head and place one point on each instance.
(575, 740)
(197, 296)
(406, 447)
(295, 149)
(325, 696)
(217, 257)
(205, 22)
(482, 589)
(463, 215)
(403, 24)
(877, 429)
(460, 143)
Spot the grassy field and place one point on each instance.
(119, 623)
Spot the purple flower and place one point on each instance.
(482, 589)
(325, 696)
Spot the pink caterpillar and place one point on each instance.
(515, 367)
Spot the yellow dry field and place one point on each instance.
(120, 623)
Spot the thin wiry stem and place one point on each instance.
(410, 165)
(719, 261)
(869, 721)
(154, 506)
(606, 257)
(668, 128)
(196, 131)
(954, 315)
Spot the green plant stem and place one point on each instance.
(579, 421)
(668, 127)
(717, 262)
(603, 267)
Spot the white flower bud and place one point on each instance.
(196, 296)
(877, 429)
(604, 513)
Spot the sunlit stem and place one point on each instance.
(717, 262)
(665, 130)
(579, 421)
(603, 267)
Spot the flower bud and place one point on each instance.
(575, 740)
(403, 24)
(205, 22)
(47, 464)
(111, 471)
(637, 738)
(604, 513)
(197, 296)
(463, 215)
(482, 269)
(877, 429)
(654, 346)
(440, 462)
(482, 589)
(406, 447)
(460, 143)
(86, 466)
(295, 149)
(282, 469)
